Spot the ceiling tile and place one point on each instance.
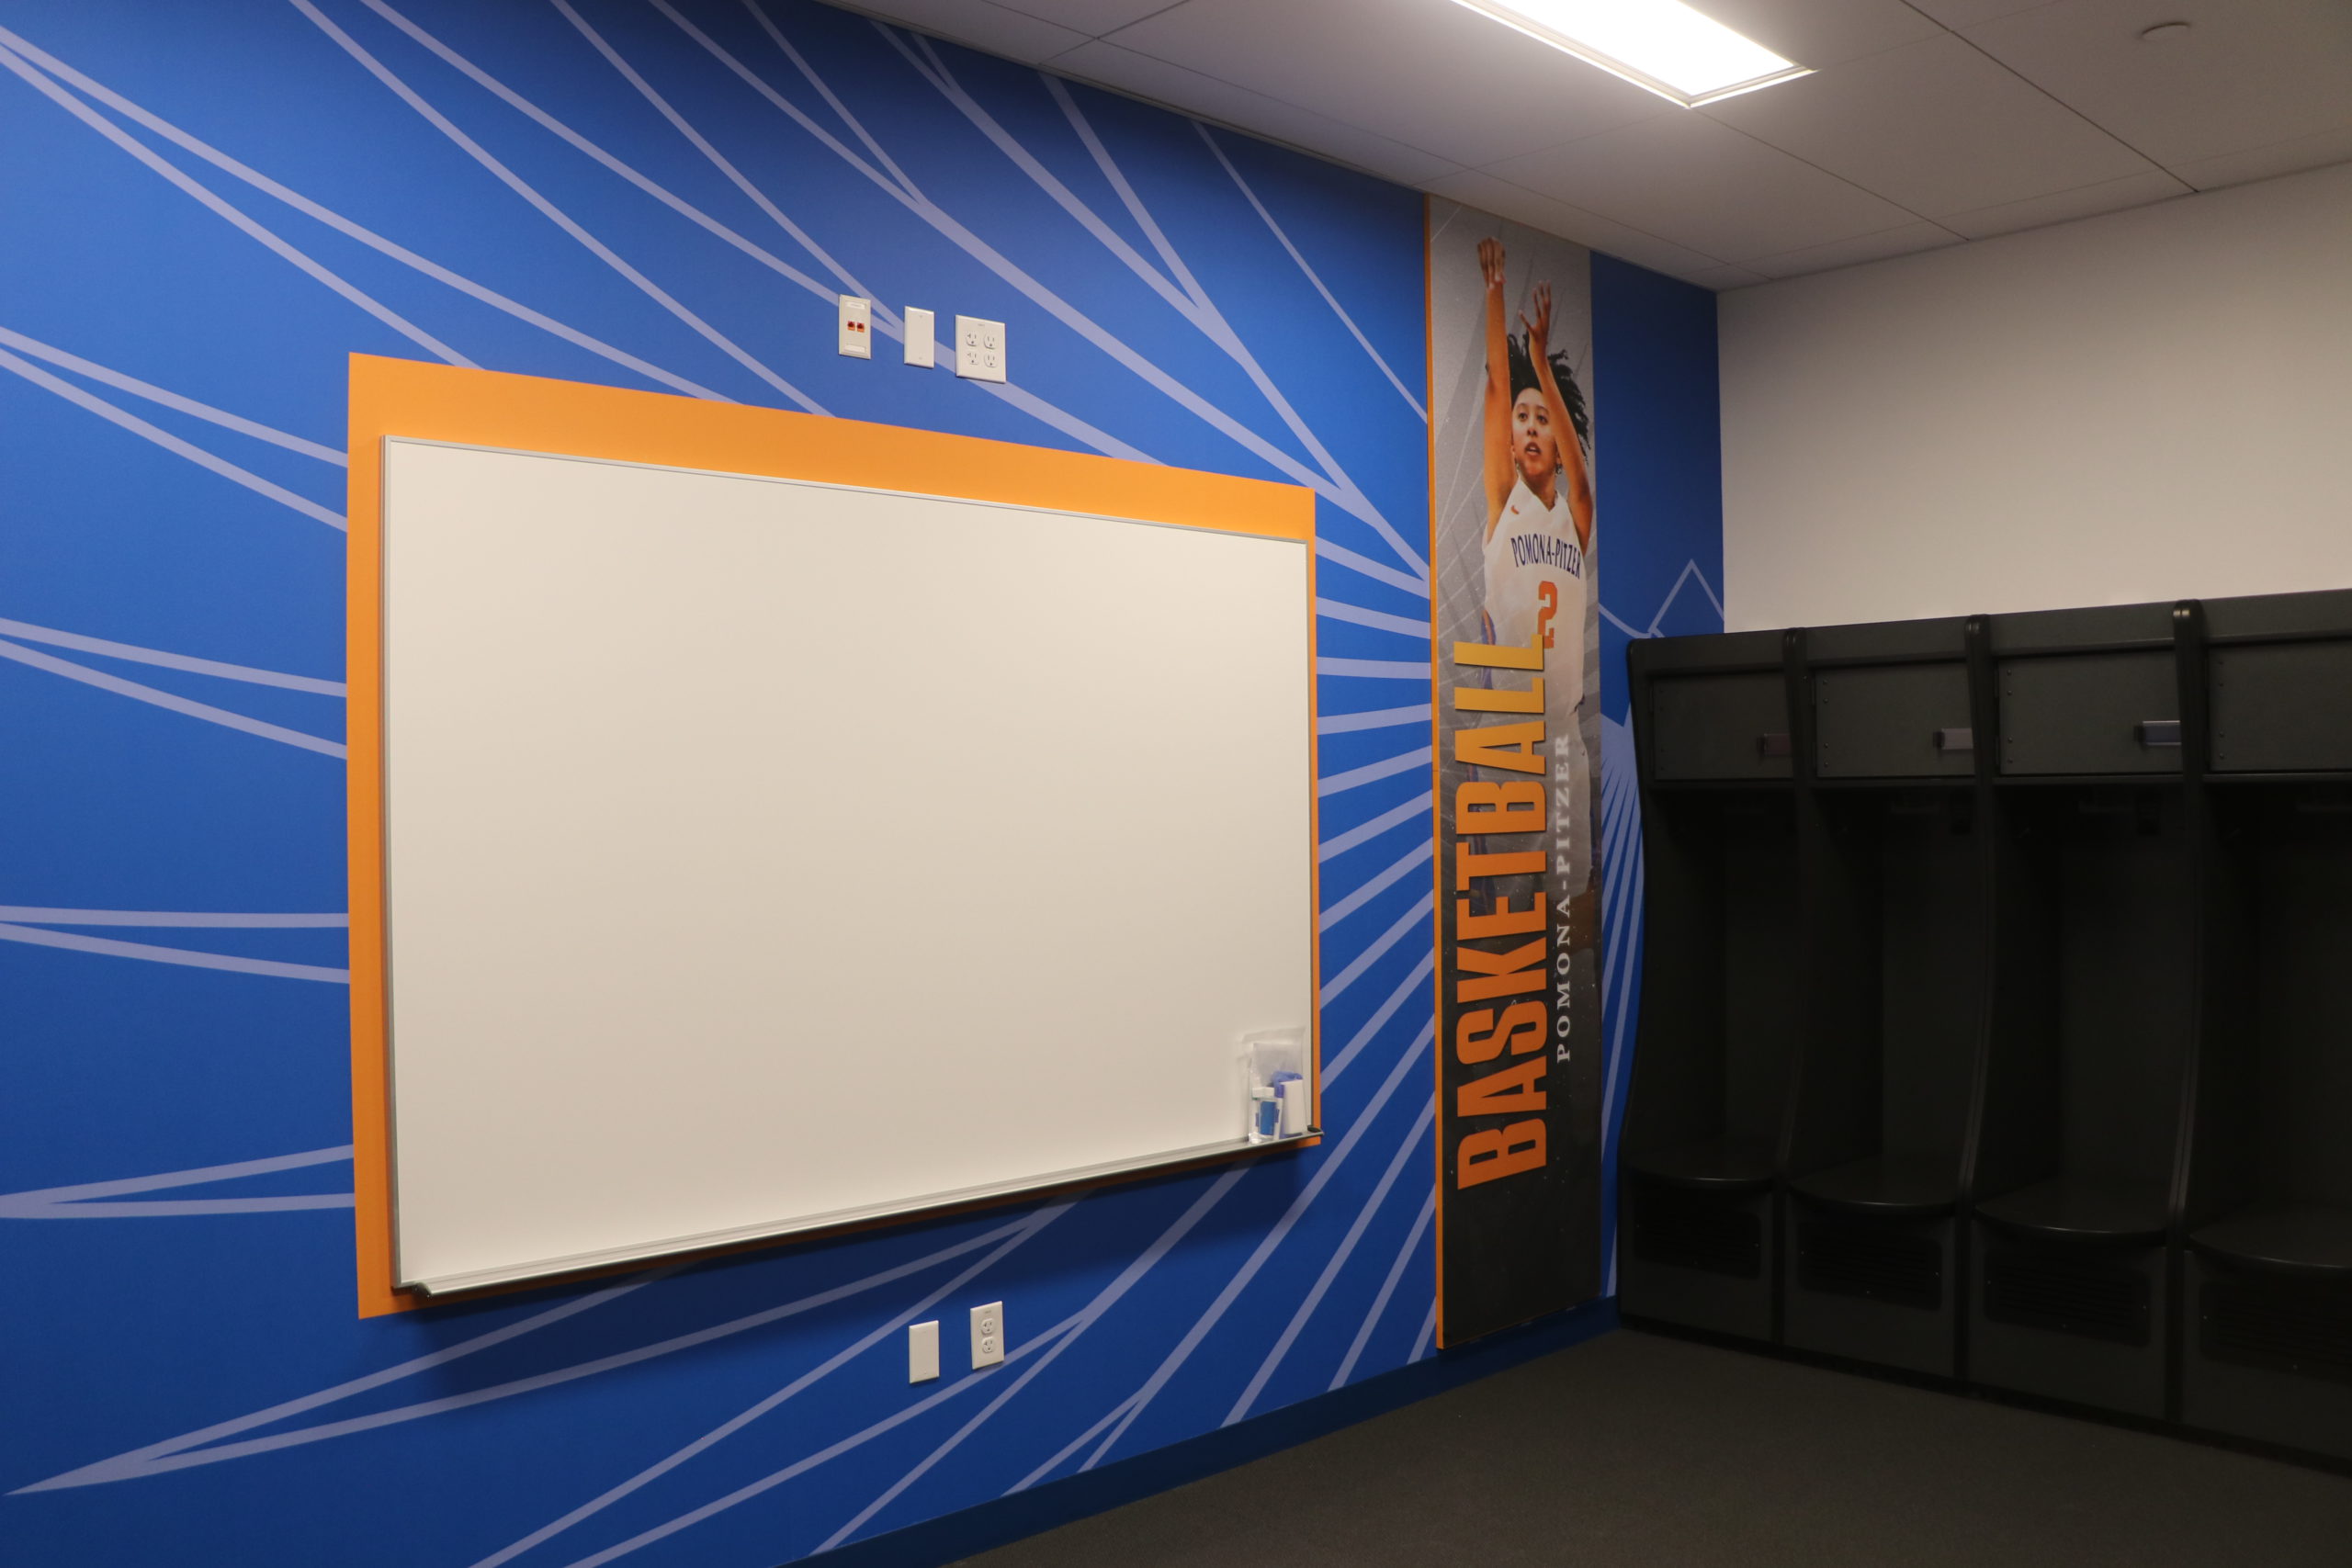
(1128, 72)
(1902, 242)
(2109, 196)
(1504, 199)
(981, 24)
(1700, 184)
(1934, 127)
(1092, 18)
(1725, 276)
(2247, 73)
(2267, 162)
(1968, 13)
(1822, 32)
(1424, 73)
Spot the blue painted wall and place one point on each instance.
(208, 209)
(1659, 491)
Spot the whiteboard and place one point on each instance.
(764, 855)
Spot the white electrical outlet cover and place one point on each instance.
(987, 1335)
(857, 327)
(923, 1352)
(979, 349)
(922, 341)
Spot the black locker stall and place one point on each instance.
(2267, 1340)
(1701, 1141)
(1996, 1005)
(1891, 928)
(2093, 1028)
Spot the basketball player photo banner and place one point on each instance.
(1517, 744)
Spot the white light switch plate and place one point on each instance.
(979, 349)
(923, 1352)
(857, 327)
(922, 329)
(987, 1335)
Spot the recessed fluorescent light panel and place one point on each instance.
(1663, 45)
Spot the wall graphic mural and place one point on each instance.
(1516, 545)
(209, 207)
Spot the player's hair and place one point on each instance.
(1522, 380)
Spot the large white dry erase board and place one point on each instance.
(761, 855)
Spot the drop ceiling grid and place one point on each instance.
(1926, 122)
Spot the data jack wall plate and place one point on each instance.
(979, 349)
(857, 327)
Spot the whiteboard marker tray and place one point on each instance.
(553, 1267)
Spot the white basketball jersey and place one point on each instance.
(1536, 581)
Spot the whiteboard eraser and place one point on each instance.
(1297, 1106)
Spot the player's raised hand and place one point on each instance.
(1490, 261)
(1539, 330)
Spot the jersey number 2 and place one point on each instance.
(1550, 594)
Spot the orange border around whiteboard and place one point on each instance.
(530, 413)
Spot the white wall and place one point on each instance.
(2150, 405)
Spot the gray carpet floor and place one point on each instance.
(1639, 1451)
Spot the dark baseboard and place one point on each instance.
(955, 1536)
(2015, 1399)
